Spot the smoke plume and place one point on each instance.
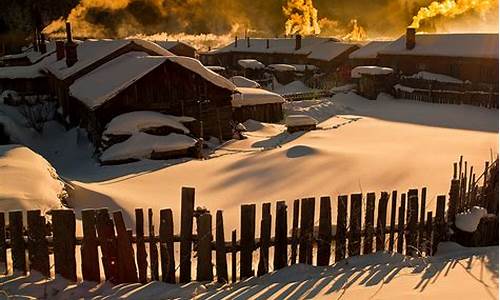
(302, 18)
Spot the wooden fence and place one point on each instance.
(363, 225)
(308, 95)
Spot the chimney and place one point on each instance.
(236, 41)
(410, 38)
(267, 43)
(70, 47)
(298, 42)
(248, 42)
(59, 50)
(42, 46)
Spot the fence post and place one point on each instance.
(306, 230)
(220, 249)
(280, 240)
(3, 246)
(88, 250)
(355, 225)
(18, 248)
(107, 241)
(439, 224)
(63, 222)
(37, 244)
(412, 221)
(141, 256)
(428, 234)
(127, 272)
(324, 232)
(369, 216)
(204, 268)
(247, 240)
(381, 221)
(153, 250)
(233, 256)
(167, 246)
(341, 232)
(295, 237)
(187, 208)
(453, 202)
(421, 229)
(401, 223)
(393, 220)
(265, 236)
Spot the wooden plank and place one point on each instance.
(392, 228)
(233, 256)
(107, 241)
(412, 224)
(453, 202)
(401, 224)
(265, 237)
(127, 271)
(324, 232)
(153, 250)
(64, 226)
(3, 246)
(354, 245)
(187, 208)
(167, 246)
(220, 249)
(381, 221)
(247, 238)
(369, 217)
(38, 250)
(89, 250)
(421, 228)
(18, 248)
(280, 245)
(439, 233)
(295, 231)
(204, 267)
(341, 232)
(141, 255)
(306, 230)
(428, 234)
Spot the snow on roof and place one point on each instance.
(478, 45)
(32, 55)
(170, 44)
(300, 120)
(468, 221)
(241, 81)
(133, 122)
(436, 77)
(282, 68)
(370, 50)
(254, 96)
(370, 70)
(27, 72)
(251, 64)
(215, 68)
(141, 145)
(319, 48)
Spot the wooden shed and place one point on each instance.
(373, 80)
(257, 104)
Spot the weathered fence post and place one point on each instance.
(412, 221)
(220, 249)
(369, 216)
(381, 221)
(453, 202)
(324, 232)
(153, 250)
(265, 236)
(439, 223)
(167, 246)
(354, 242)
(18, 248)
(393, 220)
(142, 262)
(37, 244)
(107, 241)
(63, 222)
(341, 232)
(187, 208)
(428, 234)
(233, 256)
(306, 230)
(127, 272)
(3, 246)
(89, 250)
(421, 229)
(247, 240)
(295, 231)
(280, 236)
(204, 268)
(401, 224)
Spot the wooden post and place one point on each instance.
(354, 244)
(204, 268)
(265, 236)
(421, 229)
(393, 220)
(3, 246)
(127, 272)
(247, 240)
(18, 248)
(153, 250)
(88, 250)
(187, 208)
(439, 224)
(341, 233)
(37, 244)
(381, 221)
(412, 221)
(63, 222)
(306, 230)
(280, 248)
(220, 249)
(142, 262)
(428, 234)
(401, 224)
(295, 237)
(453, 202)
(107, 241)
(324, 232)
(167, 246)
(369, 217)
(233, 256)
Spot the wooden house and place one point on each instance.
(257, 104)
(179, 48)
(367, 55)
(472, 56)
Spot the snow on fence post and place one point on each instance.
(439, 223)
(265, 236)
(3, 246)
(392, 228)
(220, 249)
(127, 271)
(37, 244)
(107, 241)
(355, 225)
(324, 232)
(64, 228)
(187, 208)
(381, 221)
(295, 231)
(453, 201)
(233, 256)
(421, 228)
(401, 224)
(428, 234)
(141, 256)
(167, 246)
(17, 241)
(341, 232)
(369, 217)
(247, 240)
(280, 236)
(153, 250)
(204, 268)
(306, 230)
(88, 250)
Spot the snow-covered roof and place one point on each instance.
(251, 64)
(282, 68)
(32, 55)
(436, 77)
(170, 44)
(215, 68)
(133, 122)
(369, 50)
(477, 45)
(27, 72)
(255, 96)
(241, 81)
(111, 78)
(319, 48)
(370, 70)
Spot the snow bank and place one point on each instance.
(300, 120)
(370, 70)
(251, 64)
(436, 77)
(136, 121)
(28, 180)
(141, 145)
(468, 221)
(404, 88)
(241, 81)
(282, 68)
(255, 96)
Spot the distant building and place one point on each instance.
(367, 55)
(178, 48)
